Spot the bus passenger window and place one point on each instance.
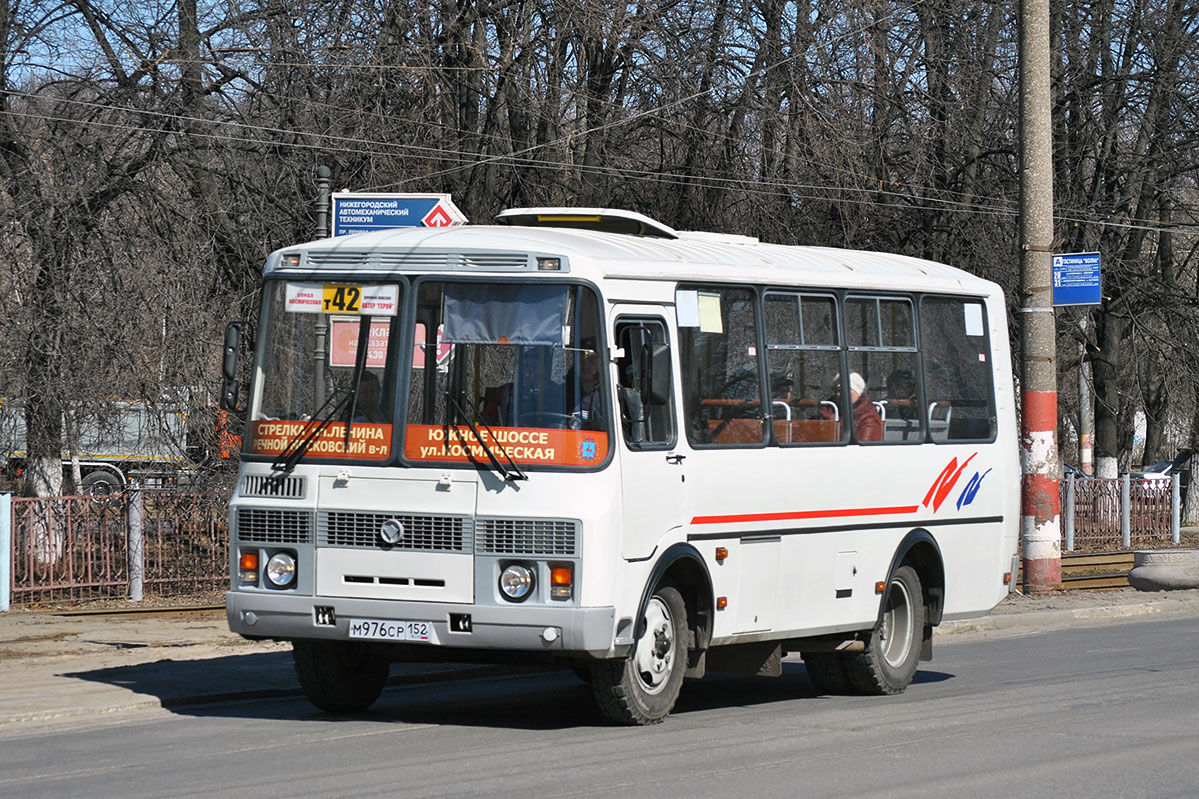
(645, 391)
(804, 363)
(882, 351)
(959, 395)
(722, 381)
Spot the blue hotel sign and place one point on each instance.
(1076, 279)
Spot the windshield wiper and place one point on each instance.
(515, 473)
(302, 441)
(364, 327)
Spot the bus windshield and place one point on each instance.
(321, 394)
(501, 375)
(513, 367)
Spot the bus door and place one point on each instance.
(652, 471)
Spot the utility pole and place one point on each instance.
(1040, 506)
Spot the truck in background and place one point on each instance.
(126, 442)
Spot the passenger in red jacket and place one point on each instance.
(867, 424)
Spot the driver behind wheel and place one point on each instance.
(585, 382)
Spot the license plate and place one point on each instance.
(381, 630)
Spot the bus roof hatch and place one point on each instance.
(607, 220)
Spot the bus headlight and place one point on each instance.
(281, 569)
(516, 582)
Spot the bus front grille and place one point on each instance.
(425, 533)
(527, 536)
(265, 485)
(274, 526)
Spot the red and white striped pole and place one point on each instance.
(1040, 506)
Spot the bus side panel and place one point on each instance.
(838, 514)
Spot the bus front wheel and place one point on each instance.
(339, 676)
(642, 688)
(888, 663)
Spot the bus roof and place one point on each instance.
(597, 254)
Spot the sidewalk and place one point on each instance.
(59, 666)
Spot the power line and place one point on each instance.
(912, 199)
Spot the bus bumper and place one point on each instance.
(532, 629)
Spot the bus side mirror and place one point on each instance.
(658, 382)
(230, 388)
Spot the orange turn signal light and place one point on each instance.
(1007, 578)
(722, 602)
(880, 586)
(562, 580)
(721, 554)
(248, 567)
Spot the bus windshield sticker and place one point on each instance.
(686, 308)
(367, 441)
(527, 445)
(504, 314)
(709, 314)
(303, 298)
(380, 300)
(344, 299)
(344, 341)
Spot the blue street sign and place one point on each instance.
(1076, 279)
(359, 213)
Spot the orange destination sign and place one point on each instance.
(527, 445)
(369, 441)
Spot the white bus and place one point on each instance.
(579, 436)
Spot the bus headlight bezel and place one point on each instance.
(517, 581)
(280, 570)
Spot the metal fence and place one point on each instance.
(129, 545)
(167, 543)
(1121, 513)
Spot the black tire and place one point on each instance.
(892, 653)
(340, 676)
(829, 672)
(642, 688)
(100, 485)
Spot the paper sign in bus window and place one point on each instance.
(305, 297)
(335, 298)
(686, 308)
(974, 318)
(344, 343)
(710, 320)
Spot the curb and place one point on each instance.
(75, 712)
(1063, 618)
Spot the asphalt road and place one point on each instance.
(1084, 712)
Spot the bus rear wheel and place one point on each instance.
(340, 676)
(642, 688)
(829, 672)
(888, 663)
